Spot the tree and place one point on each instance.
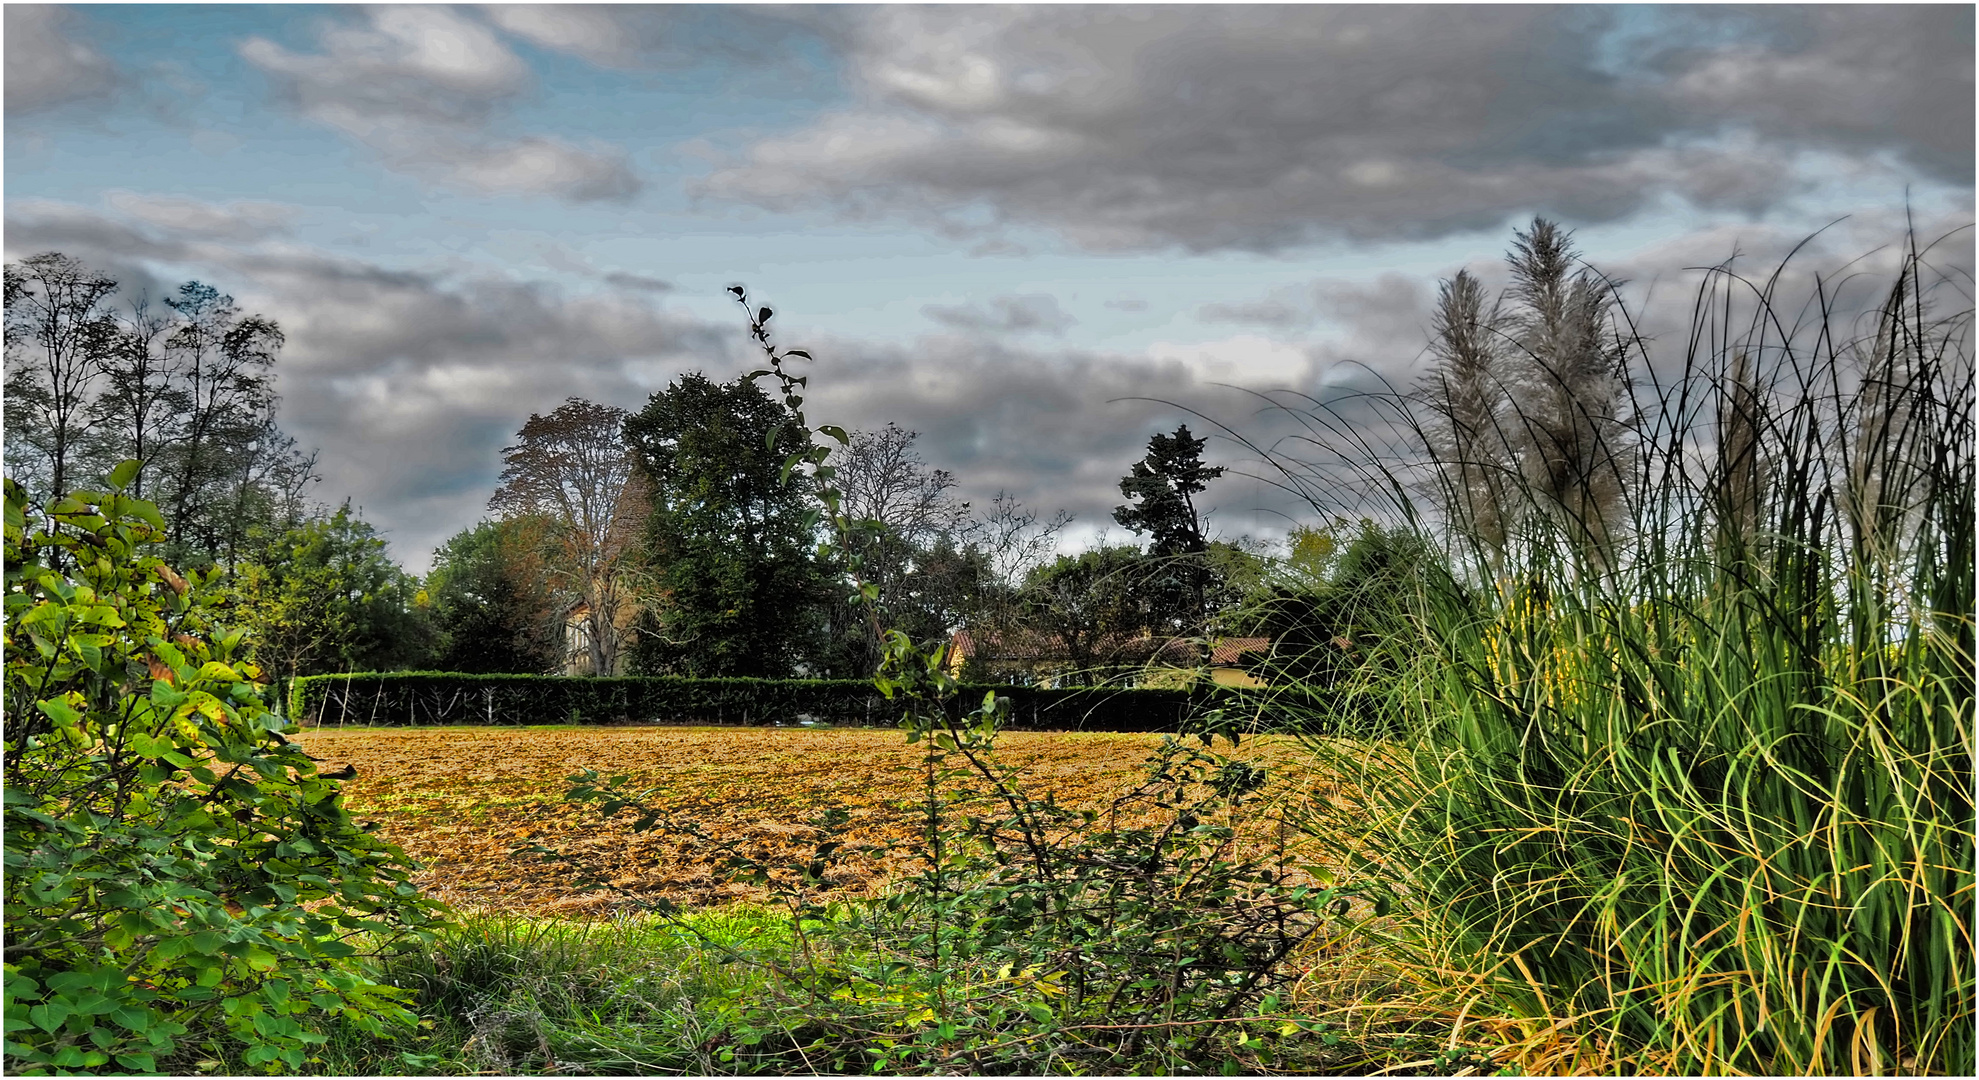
(187, 391)
(572, 469)
(1346, 596)
(223, 361)
(490, 601)
(738, 591)
(1090, 605)
(1013, 543)
(1163, 486)
(136, 414)
(58, 329)
(325, 597)
(906, 536)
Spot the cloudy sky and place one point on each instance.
(1005, 227)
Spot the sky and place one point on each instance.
(1036, 234)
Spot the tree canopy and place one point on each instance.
(736, 588)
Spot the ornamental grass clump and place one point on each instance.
(1689, 786)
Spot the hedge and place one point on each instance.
(431, 698)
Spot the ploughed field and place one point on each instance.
(464, 801)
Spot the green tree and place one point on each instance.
(325, 597)
(1345, 596)
(1089, 606)
(1163, 486)
(490, 602)
(178, 874)
(737, 590)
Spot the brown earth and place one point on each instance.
(465, 801)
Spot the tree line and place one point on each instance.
(662, 541)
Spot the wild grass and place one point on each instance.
(1689, 784)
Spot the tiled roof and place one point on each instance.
(1231, 651)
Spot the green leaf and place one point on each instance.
(122, 474)
(59, 711)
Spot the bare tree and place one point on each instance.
(573, 467)
(1014, 543)
(222, 361)
(57, 333)
(882, 479)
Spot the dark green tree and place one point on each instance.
(325, 597)
(736, 588)
(490, 602)
(1089, 608)
(1163, 486)
(1339, 612)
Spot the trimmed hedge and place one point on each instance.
(430, 698)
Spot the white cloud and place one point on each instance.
(1251, 360)
(593, 32)
(420, 86)
(240, 220)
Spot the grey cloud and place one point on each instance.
(1128, 305)
(637, 282)
(47, 66)
(1863, 78)
(1056, 428)
(1022, 314)
(419, 86)
(751, 41)
(1270, 126)
(1390, 303)
(1277, 314)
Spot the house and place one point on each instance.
(577, 637)
(1228, 657)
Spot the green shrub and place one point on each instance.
(179, 880)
